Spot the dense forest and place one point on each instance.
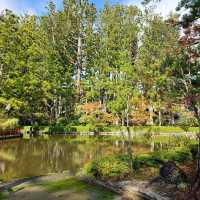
(120, 65)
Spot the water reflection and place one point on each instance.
(24, 158)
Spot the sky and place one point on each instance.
(38, 6)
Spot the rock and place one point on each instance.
(172, 174)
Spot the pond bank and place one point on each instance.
(63, 187)
(55, 187)
(154, 189)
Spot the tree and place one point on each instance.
(189, 59)
(158, 45)
(112, 75)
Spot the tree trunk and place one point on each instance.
(117, 120)
(198, 155)
(79, 66)
(151, 122)
(172, 119)
(1, 69)
(59, 106)
(127, 112)
(197, 115)
(79, 53)
(160, 118)
(122, 121)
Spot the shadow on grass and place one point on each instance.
(67, 189)
(76, 186)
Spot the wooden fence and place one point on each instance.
(10, 133)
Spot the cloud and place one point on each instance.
(19, 7)
(163, 8)
(7, 4)
(166, 6)
(27, 6)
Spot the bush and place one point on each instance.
(60, 129)
(194, 150)
(56, 129)
(112, 167)
(8, 123)
(117, 167)
(100, 127)
(70, 129)
(156, 159)
(187, 120)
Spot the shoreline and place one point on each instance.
(146, 189)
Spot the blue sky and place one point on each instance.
(38, 6)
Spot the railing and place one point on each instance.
(10, 133)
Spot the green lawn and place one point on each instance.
(74, 185)
(144, 129)
(137, 129)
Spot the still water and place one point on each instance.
(24, 158)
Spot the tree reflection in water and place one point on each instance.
(24, 158)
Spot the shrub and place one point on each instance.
(60, 129)
(117, 167)
(112, 167)
(156, 159)
(8, 123)
(56, 129)
(100, 127)
(186, 120)
(194, 150)
(70, 129)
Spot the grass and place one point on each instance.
(4, 195)
(68, 184)
(135, 129)
(74, 185)
(141, 129)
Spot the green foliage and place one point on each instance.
(31, 77)
(108, 168)
(9, 123)
(56, 129)
(3, 195)
(112, 57)
(147, 130)
(87, 119)
(118, 166)
(193, 14)
(156, 159)
(185, 121)
(61, 129)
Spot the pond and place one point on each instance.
(21, 158)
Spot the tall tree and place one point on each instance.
(117, 32)
(158, 44)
